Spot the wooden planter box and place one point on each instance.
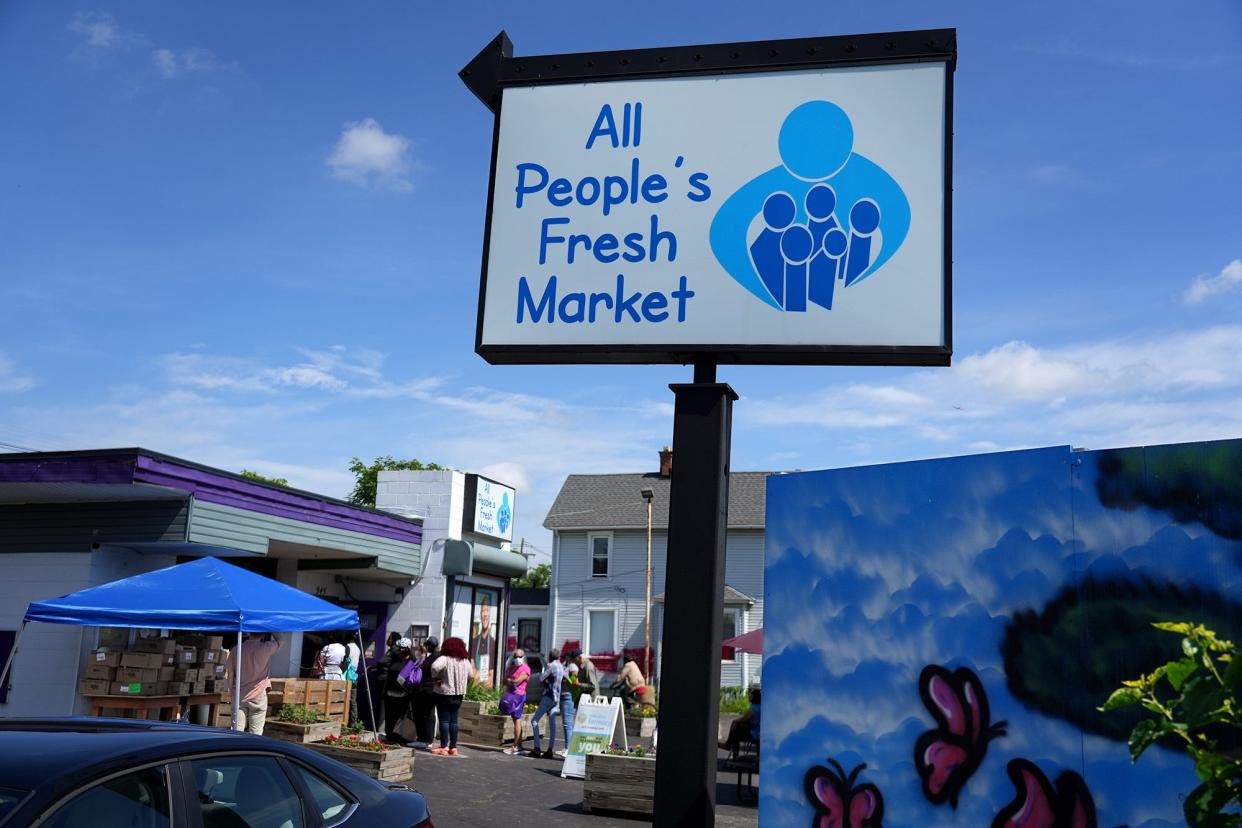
(638, 728)
(302, 733)
(393, 765)
(619, 783)
(476, 727)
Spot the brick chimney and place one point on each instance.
(666, 462)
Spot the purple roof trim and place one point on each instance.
(255, 497)
(132, 466)
(112, 469)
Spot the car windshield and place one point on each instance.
(9, 797)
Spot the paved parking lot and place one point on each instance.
(489, 788)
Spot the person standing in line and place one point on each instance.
(552, 677)
(588, 674)
(517, 674)
(452, 672)
(379, 676)
(256, 678)
(423, 695)
(333, 654)
(568, 688)
(354, 655)
(396, 696)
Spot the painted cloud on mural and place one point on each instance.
(874, 573)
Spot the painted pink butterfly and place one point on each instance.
(838, 803)
(947, 756)
(1040, 804)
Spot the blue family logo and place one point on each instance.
(827, 215)
(504, 514)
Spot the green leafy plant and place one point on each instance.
(1194, 701)
(643, 713)
(734, 700)
(263, 478)
(537, 576)
(300, 714)
(476, 691)
(355, 728)
(354, 743)
(366, 477)
(636, 752)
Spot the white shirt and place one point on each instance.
(355, 657)
(333, 655)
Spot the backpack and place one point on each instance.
(348, 671)
(321, 662)
(411, 674)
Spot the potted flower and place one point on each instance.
(618, 779)
(298, 723)
(374, 758)
(640, 723)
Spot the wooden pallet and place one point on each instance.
(329, 697)
(393, 765)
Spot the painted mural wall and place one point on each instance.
(939, 634)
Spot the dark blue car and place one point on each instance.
(115, 773)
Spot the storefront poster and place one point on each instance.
(597, 724)
(483, 631)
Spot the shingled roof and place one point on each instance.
(612, 501)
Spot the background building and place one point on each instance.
(599, 548)
(72, 520)
(453, 505)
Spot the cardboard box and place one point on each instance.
(177, 688)
(186, 655)
(200, 687)
(106, 658)
(212, 656)
(170, 660)
(190, 674)
(133, 689)
(99, 671)
(202, 642)
(159, 646)
(93, 687)
(130, 675)
(166, 674)
(142, 661)
(161, 688)
(218, 671)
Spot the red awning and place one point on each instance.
(751, 642)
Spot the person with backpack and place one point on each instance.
(396, 684)
(423, 698)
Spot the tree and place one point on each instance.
(262, 478)
(1193, 703)
(538, 576)
(366, 478)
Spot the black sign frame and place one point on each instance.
(495, 68)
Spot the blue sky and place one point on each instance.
(250, 236)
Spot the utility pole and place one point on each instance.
(648, 494)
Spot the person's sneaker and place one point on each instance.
(453, 752)
(535, 754)
(439, 751)
(512, 751)
(561, 754)
(547, 754)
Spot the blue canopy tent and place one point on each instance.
(205, 594)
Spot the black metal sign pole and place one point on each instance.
(685, 790)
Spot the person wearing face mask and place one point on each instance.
(517, 674)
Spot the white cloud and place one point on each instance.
(368, 156)
(1184, 385)
(10, 380)
(98, 31)
(1229, 278)
(173, 64)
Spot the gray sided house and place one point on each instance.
(599, 527)
(71, 520)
